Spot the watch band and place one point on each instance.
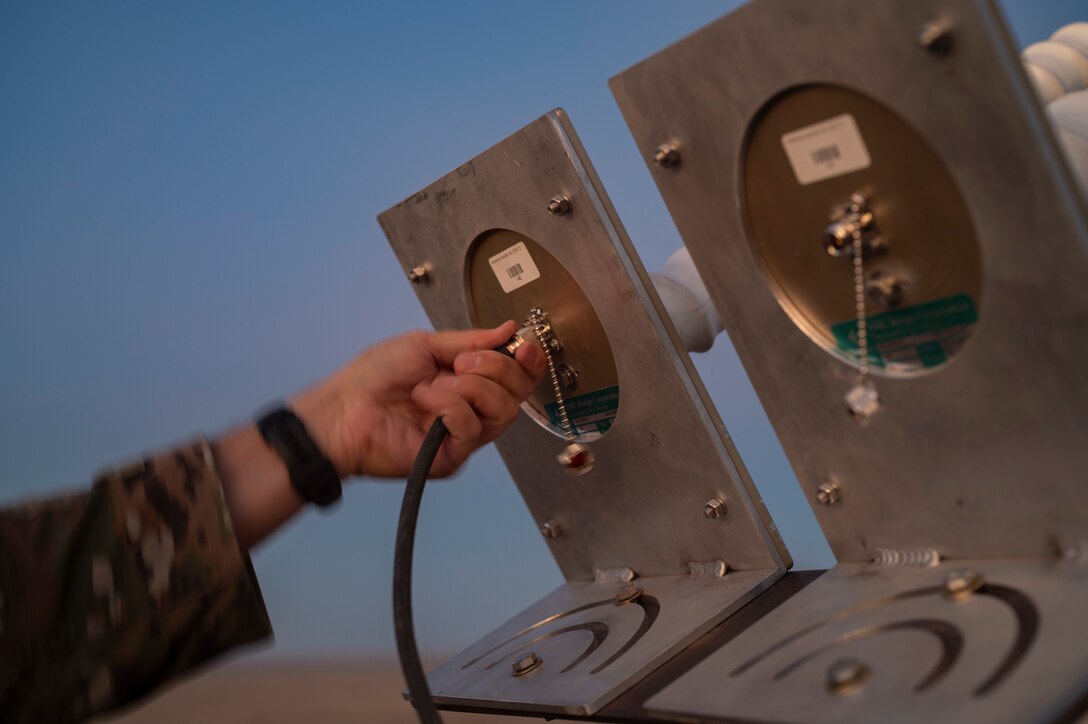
(312, 473)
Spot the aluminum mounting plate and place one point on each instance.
(666, 453)
(591, 649)
(1016, 650)
(983, 456)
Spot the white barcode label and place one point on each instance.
(826, 149)
(514, 267)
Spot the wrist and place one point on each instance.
(322, 413)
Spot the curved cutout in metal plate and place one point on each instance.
(1014, 649)
(492, 250)
(983, 388)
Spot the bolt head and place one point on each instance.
(828, 494)
(715, 508)
(627, 594)
(667, 155)
(847, 676)
(576, 459)
(959, 585)
(559, 205)
(550, 529)
(523, 665)
(418, 275)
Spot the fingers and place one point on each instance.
(465, 428)
(518, 378)
(445, 346)
(495, 405)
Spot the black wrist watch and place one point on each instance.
(312, 473)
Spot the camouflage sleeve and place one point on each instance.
(108, 594)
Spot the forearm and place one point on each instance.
(111, 592)
(256, 486)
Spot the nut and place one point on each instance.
(715, 508)
(627, 594)
(525, 664)
(829, 493)
(936, 37)
(959, 585)
(550, 529)
(418, 274)
(667, 155)
(846, 676)
(559, 205)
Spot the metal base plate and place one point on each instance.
(1016, 650)
(591, 649)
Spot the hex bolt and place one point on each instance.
(715, 508)
(959, 585)
(627, 594)
(667, 155)
(550, 529)
(936, 37)
(829, 493)
(559, 205)
(525, 664)
(847, 676)
(567, 375)
(418, 274)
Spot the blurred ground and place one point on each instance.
(287, 691)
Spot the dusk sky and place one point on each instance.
(188, 194)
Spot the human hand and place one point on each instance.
(370, 417)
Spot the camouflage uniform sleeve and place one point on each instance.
(107, 594)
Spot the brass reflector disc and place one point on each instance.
(808, 150)
(509, 274)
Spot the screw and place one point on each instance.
(418, 275)
(528, 662)
(550, 529)
(936, 37)
(627, 594)
(959, 585)
(667, 155)
(715, 508)
(559, 205)
(829, 493)
(846, 676)
(567, 375)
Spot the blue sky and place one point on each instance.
(188, 196)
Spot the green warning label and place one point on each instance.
(590, 413)
(922, 336)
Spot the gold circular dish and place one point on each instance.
(808, 151)
(508, 275)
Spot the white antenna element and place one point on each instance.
(687, 301)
